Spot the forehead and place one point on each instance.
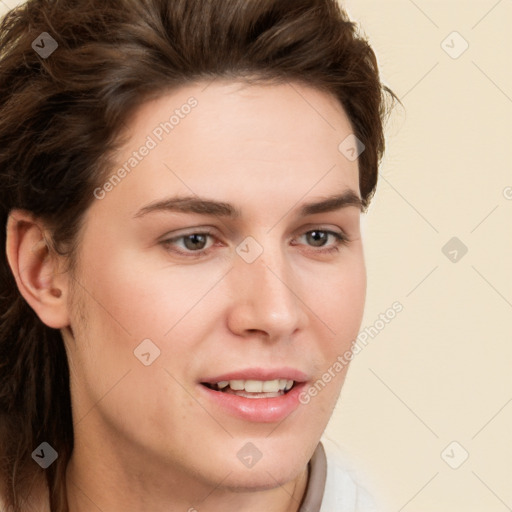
(244, 141)
(224, 112)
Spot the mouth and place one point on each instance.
(256, 394)
(253, 388)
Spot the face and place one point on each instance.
(238, 283)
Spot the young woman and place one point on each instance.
(182, 183)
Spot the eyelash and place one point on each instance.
(341, 240)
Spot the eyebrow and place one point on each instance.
(203, 206)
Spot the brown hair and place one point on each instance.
(62, 114)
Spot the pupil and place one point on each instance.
(318, 237)
(191, 241)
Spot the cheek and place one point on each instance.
(339, 298)
(338, 302)
(352, 292)
(130, 299)
(141, 295)
(339, 309)
(125, 302)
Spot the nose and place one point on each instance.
(266, 297)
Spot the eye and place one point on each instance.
(195, 241)
(320, 237)
(189, 244)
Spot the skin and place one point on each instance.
(145, 437)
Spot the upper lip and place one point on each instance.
(259, 374)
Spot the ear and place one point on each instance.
(37, 269)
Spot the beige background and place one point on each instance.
(441, 371)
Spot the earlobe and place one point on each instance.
(36, 269)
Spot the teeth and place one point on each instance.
(254, 386)
(236, 385)
(257, 386)
(270, 386)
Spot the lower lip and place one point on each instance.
(263, 410)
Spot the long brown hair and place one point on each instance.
(62, 114)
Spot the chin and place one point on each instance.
(266, 477)
(278, 461)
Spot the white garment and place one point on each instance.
(344, 489)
